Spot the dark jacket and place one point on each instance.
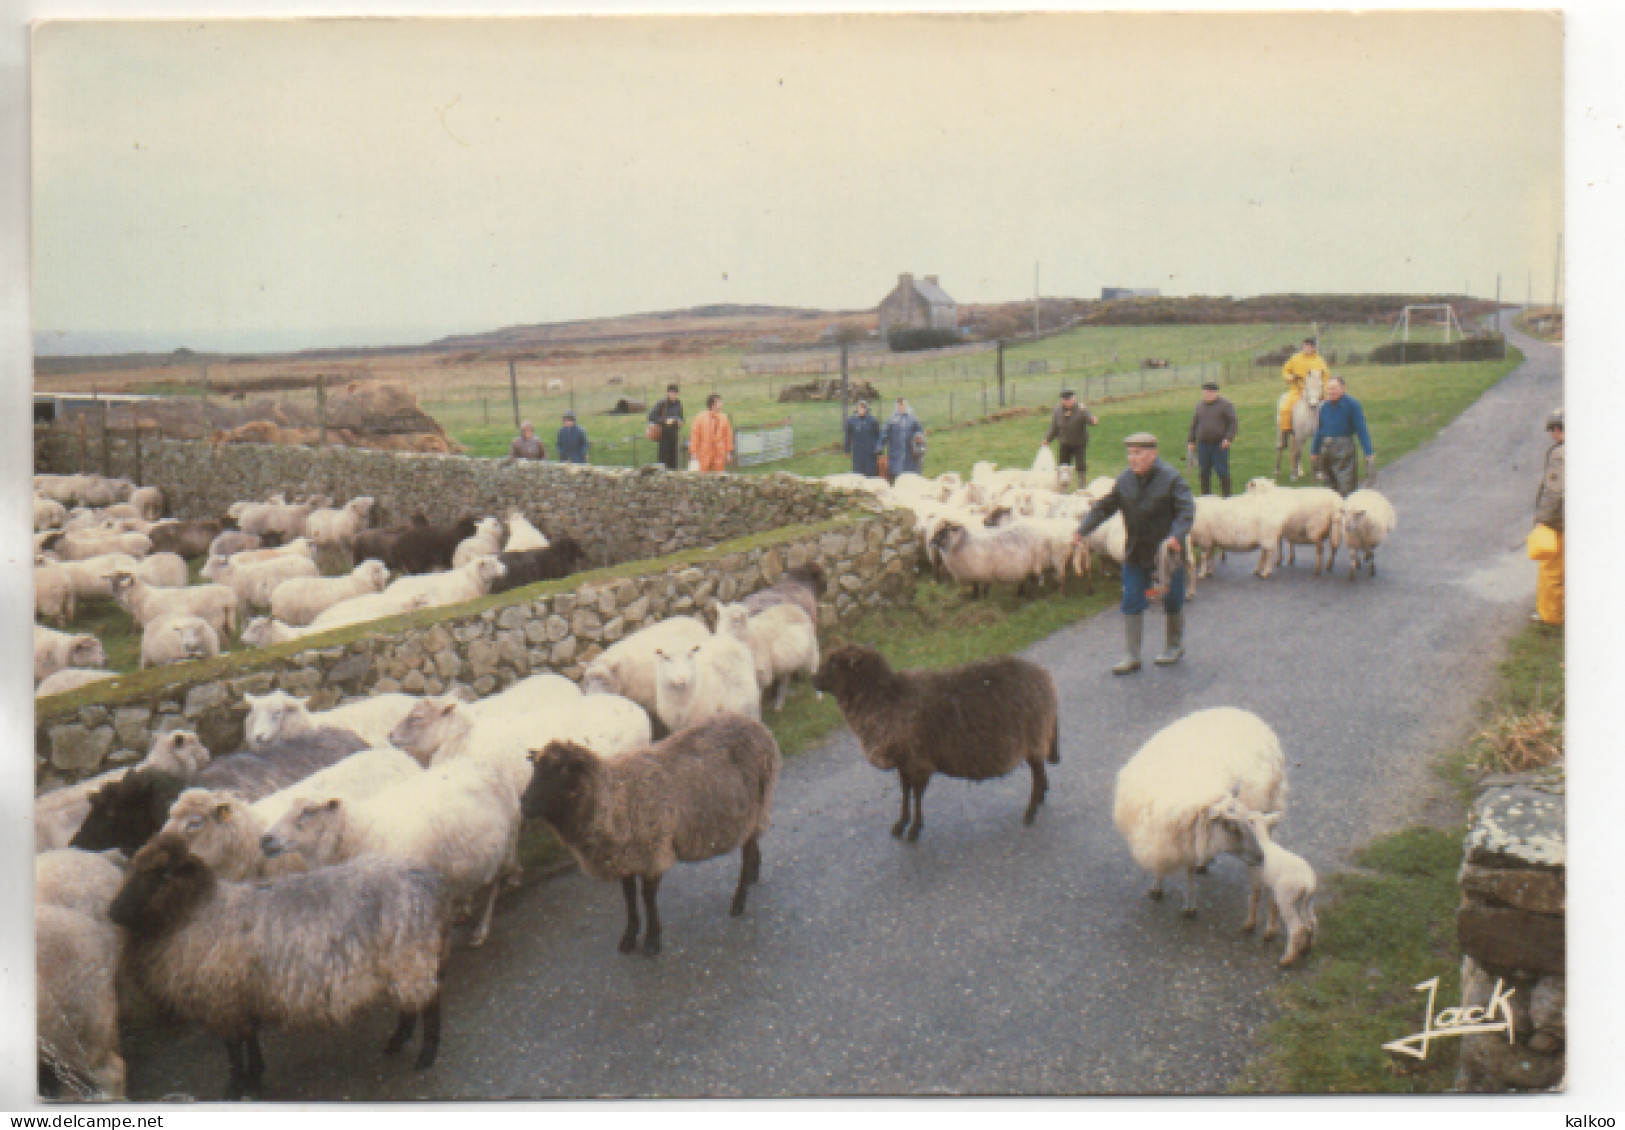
(572, 443)
(664, 408)
(862, 441)
(1213, 423)
(1154, 509)
(1071, 428)
(1549, 499)
(905, 444)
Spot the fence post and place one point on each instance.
(984, 400)
(321, 410)
(513, 388)
(107, 444)
(81, 443)
(950, 408)
(137, 441)
(1001, 372)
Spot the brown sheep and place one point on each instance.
(975, 722)
(694, 796)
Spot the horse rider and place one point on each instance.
(1296, 375)
(1342, 421)
(1549, 513)
(1157, 510)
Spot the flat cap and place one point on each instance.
(1067, 394)
(1555, 420)
(1210, 386)
(1140, 439)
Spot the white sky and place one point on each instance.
(270, 184)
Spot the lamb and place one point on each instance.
(460, 818)
(71, 679)
(279, 716)
(528, 566)
(78, 545)
(54, 595)
(216, 604)
(1167, 790)
(231, 957)
(127, 812)
(1306, 515)
(224, 831)
(802, 586)
(59, 813)
(702, 680)
(233, 542)
(696, 795)
(55, 650)
(782, 643)
(469, 582)
(339, 527)
(976, 722)
(1364, 521)
(255, 581)
(424, 549)
(522, 535)
(300, 600)
(176, 638)
(1012, 555)
(49, 514)
(81, 881)
(629, 667)
(1278, 877)
(76, 960)
(485, 542)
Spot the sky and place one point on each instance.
(285, 184)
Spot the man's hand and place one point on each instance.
(1173, 544)
(1225, 444)
(1094, 421)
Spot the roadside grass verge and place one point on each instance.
(1390, 925)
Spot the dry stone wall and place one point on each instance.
(870, 558)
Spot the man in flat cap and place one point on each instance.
(1342, 422)
(1070, 423)
(1213, 430)
(1157, 510)
(1549, 513)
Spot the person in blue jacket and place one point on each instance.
(1342, 421)
(571, 442)
(903, 442)
(862, 441)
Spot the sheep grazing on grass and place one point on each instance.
(802, 586)
(461, 818)
(1167, 791)
(423, 549)
(216, 604)
(71, 679)
(698, 794)
(300, 600)
(193, 538)
(982, 558)
(338, 528)
(782, 641)
(59, 813)
(471, 581)
(129, 811)
(522, 535)
(1278, 877)
(629, 667)
(55, 650)
(76, 962)
(279, 716)
(308, 951)
(1364, 522)
(485, 542)
(177, 638)
(695, 682)
(528, 566)
(976, 722)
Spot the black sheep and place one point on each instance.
(379, 544)
(189, 538)
(528, 566)
(428, 549)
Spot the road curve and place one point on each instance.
(991, 958)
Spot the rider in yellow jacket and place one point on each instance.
(1295, 372)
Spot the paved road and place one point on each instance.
(992, 958)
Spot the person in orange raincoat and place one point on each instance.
(711, 441)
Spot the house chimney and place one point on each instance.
(905, 280)
(931, 279)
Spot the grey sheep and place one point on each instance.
(76, 960)
(698, 794)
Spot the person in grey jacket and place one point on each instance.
(861, 440)
(903, 441)
(1070, 423)
(1213, 430)
(1157, 510)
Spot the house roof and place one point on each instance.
(933, 293)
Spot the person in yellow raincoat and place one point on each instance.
(1296, 372)
(1549, 513)
(711, 441)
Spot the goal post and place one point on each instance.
(1446, 316)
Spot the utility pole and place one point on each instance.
(513, 387)
(845, 388)
(1035, 301)
(1001, 372)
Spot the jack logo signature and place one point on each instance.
(1456, 1021)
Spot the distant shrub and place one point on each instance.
(907, 339)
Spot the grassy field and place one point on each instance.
(1391, 924)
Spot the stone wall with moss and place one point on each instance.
(485, 645)
(616, 513)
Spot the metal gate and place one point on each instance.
(765, 445)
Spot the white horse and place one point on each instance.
(1305, 419)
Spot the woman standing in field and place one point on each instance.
(904, 442)
(862, 441)
(711, 441)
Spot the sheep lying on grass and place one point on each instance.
(1166, 793)
(300, 600)
(1279, 878)
(782, 643)
(176, 639)
(629, 667)
(698, 794)
(977, 722)
(55, 650)
(303, 951)
(472, 580)
(71, 679)
(1364, 522)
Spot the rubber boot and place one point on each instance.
(1224, 486)
(1176, 641)
(1133, 634)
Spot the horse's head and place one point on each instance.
(1314, 388)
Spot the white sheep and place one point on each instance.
(909, 486)
(782, 640)
(273, 518)
(76, 961)
(218, 564)
(255, 581)
(176, 639)
(1277, 877)
(1062, 555)
(71, 679)
(54, 595)
(164, 570)
(263, 631)
(471, 581)
(628, 668)
(486, 542)
(982, 558)
(145, 602)
(58, 813)
(49, 514)
(864, 484)
(460, 818)
(300, 600)
(150, 501)
(697, 682)
(1167, 791)
(339, 527)
(1364, 521)
(279, 715)
(522, 535)
(1306, 515)
(55, 650)
(79, 545)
